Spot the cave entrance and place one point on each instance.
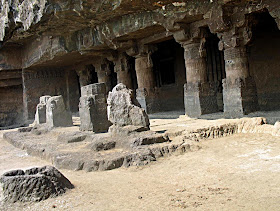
(170, 76)
(215, 66)
(264, 59)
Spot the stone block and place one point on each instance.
(200, 98)
(92, 108)
(240, 97)
(57, 114)
(40, 115)
(34, 184)
(93, 89)
(123, 108)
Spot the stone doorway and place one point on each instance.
(215, 66)
(264, 60)
(170, 76)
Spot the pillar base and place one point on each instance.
(146, 100)
(240, 97)
(200, 98)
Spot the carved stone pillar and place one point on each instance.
(145, 76)
(122, 69)
(102, 68)
(239, 88)
(84, 75)
(200, 97)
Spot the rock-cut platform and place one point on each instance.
(69, 148)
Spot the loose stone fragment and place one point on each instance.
(34, 184)
(123, 108)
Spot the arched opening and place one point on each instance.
(264, 60)
(215, 66)
(170, 76)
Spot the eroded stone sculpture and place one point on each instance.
(124, 110)
(56, 113)
(40, 115)
(34, 184)
(92, 108)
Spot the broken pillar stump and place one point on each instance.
(57, 114)
(40, 115)
(93, 108)
(124, 110)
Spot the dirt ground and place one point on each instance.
(240, 172)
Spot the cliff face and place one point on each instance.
(49, 32)
(49, 40)
(43, 16)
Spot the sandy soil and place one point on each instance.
(241, 172)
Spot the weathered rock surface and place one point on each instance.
(93, 108)
(40, 115)
(72, 137)
(105, 151)
(34, 184)
(57, 115)
(124, 110)
(100, 145)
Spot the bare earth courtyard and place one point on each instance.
(238, 172)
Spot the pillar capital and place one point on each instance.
(102, 65)
(234, 38)
(121, 63)
(139, 50)
(84, 75)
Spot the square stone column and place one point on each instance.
(102, 67)
(239, 88)
(122, 69)
(93, 108)
(199, 95)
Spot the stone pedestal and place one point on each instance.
(56, 113)
(239, 89)
(240, 97)
(40, 115)
(199, 96)
(93, 108)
